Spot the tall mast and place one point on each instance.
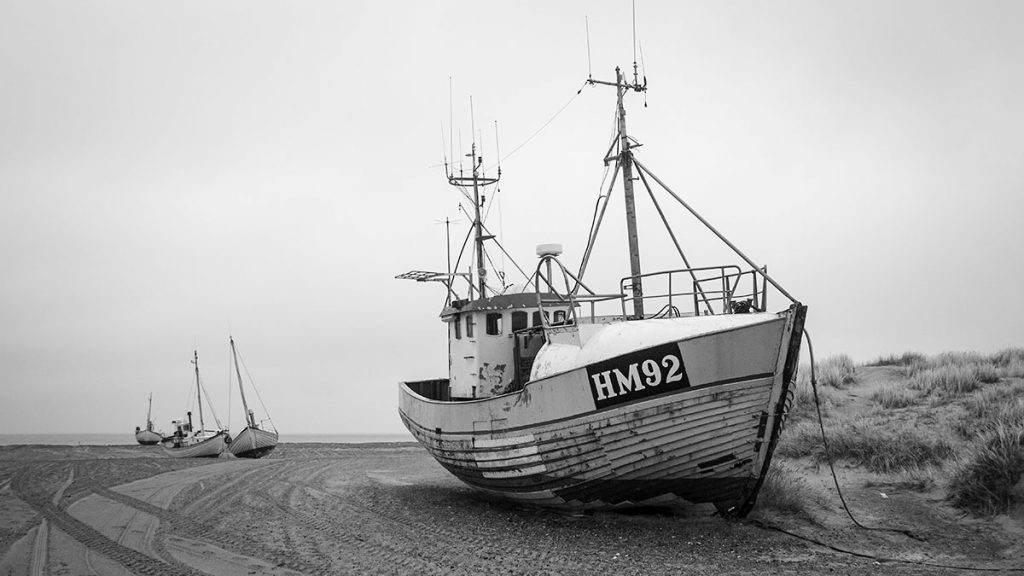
(625, 160)
(149, 413)
(245, 405)
(199, 393)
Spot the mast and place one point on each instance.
(625, 161)
(479, 182)
(481, 270)
(149, 413)
(249, 418)
(199, 394)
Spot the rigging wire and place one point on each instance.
(545, 125)
(252, 383)
(511, 259)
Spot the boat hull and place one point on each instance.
(210, 448)
(147, 437)
(575, 440)
(253, 443)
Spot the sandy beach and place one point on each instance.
(390, 509)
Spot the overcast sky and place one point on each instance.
(174, 172)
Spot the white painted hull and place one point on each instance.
(208, 448)
(559, 443)
(253, 443)
(147, 437)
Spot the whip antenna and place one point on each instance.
(590, 69)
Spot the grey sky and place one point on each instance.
(170, 172)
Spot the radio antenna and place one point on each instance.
(635, 79)
(590, 69)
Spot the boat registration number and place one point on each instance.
(637, 375)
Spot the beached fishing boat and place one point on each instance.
(254, 441)
(678, 393)
(148, 436)
(188, 442)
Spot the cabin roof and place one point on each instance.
(500, 302)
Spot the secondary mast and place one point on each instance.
(478, 181)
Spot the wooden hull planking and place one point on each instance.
(253, 443)
(551, 445)
(209, 448)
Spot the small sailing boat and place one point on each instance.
(253, 441)
(148, 437)
(675, 393)
(188, 442)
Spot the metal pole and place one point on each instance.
(626, 161)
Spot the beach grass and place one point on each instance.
(951, 422)
(990, 479)
(866, 442)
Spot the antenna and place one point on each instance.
(635, 80)
(590, 68)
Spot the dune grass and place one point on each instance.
(979, 397)
(835, 371)
(868, 443)
(905, 359)
(784, 490)
(895, 396)
(990, 480)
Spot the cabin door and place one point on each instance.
(528, 344)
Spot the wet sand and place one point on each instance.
(390, 509)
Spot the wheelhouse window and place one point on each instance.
(494, 323)
(536, 318)
(559, 316)
(519, 320)
(469, 325)
(457, 326)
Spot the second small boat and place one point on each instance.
(148, 436)
(187, 442)
(253, 441)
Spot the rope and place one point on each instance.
(828, 456)
(841, 550)
(828, 451)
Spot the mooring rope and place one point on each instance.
(835, 479)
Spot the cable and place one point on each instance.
(828, 456)
(545, 125)
(828, 451)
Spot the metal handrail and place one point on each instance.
(728, 279)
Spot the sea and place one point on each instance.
(129, 439)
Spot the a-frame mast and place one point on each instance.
(249, 418)
(625, 161)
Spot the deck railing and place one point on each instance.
(696, 292)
